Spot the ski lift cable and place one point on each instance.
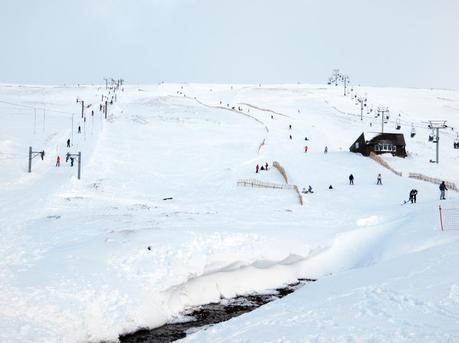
(34, 107)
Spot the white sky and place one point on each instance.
(406, 43)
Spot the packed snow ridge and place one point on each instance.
(87, 260)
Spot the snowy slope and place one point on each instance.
(87, 260)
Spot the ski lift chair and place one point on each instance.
(456, 143)
(398, 126)
(413, 131)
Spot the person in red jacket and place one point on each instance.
(305, 148)
(257, 168)
(58, 161)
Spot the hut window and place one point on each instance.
(385, 147)
(356, 145)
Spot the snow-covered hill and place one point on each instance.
(85, 260)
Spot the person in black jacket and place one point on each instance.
(351, 179)
(413, 194)
(442, 190)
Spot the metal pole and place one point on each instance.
(361, 110)
(438, 142)
(382, 121)
(441, 219)
(30, 159)
(79, 165)
(82, 108)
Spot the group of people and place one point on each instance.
(378, 179)
(263, 167)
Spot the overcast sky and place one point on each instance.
(405, 43)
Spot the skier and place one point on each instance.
(58, 161)
(68, 143)
(71, 161)
(442, 190)
(310, 189)
(325, 150)
(351, 179)
(266, 166)
(305, 148)
(379, 182)
(306, 138)
(79, 129)
(290, 136)
(290, 127)
(413, 194)
(92, 113)
(257, 168)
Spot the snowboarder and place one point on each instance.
(379, 182)
(290, 127)
(71, 161)
(262, 167)
(305, 148)
(326, 149)
(266, 166)
(310, 189)
(257, 168)
(413, 194)
(330, 187)
(351, 179)
(442, 190)
(58, 161)
(42, 154)
(290, 136)
(79, 129)
(306, 138)
(68, 143)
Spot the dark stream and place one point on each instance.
(199, 318)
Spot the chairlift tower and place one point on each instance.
(78, 100)
(32, 155)
(345, 83)
(335, 76)
(382, 110)
(78, 156)
(436, 126)
(363, 103)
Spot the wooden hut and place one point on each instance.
(380, 143)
